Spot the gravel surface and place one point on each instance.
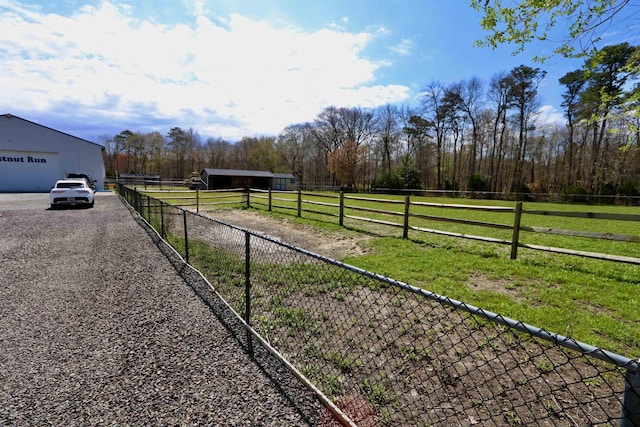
(99, 327)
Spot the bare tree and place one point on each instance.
(499, 96)
(219, 154)
(471, 104)
(334, 127)
(436, 114)
(388, 134)
(292, 145)
(110, 153)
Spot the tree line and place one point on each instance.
(465, 135)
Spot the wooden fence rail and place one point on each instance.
(516, 227)
(297, 202)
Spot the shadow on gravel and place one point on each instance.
(301, 398)
(69, 207)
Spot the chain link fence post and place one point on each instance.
(630, 416)
(186, 237)
(247, 289)
(162, 219)
(134, 200)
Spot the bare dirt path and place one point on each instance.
(334, 245)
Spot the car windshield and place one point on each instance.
(69, 185)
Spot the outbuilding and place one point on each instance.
(284, 181)
(33, 157)
(215, 179)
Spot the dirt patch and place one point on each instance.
(503, 286)
(332, 245)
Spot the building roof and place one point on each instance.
(140, 175)
(239, 172)
(11, 116)
(283, 175)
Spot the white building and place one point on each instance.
(33, 157)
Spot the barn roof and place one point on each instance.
(239, 172)
(11, 116)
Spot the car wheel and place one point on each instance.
(53, 206)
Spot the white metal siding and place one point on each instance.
(28, 171)
(62, 153)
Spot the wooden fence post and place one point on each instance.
(197, 200)
(405, 226)
(516, 231)
(341, 214)
(299, 203)
(270, 199)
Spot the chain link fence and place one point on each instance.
(390, 354)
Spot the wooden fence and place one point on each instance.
(338, 205)
(405, 214)
(202, 198)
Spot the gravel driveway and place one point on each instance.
(98, 328)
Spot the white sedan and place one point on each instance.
(69, 192)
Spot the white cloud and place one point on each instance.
(549, 115)
(199, 6)
(109, 63)
(403, 48)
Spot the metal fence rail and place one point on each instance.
(399, 354)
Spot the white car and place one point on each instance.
(69, 192)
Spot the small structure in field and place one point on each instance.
(216, 179)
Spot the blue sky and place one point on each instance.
(239, 68)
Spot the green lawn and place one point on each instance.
(631, 249)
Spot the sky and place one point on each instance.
(242, 68)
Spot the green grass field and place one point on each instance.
(631, 249)
(594, 301)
